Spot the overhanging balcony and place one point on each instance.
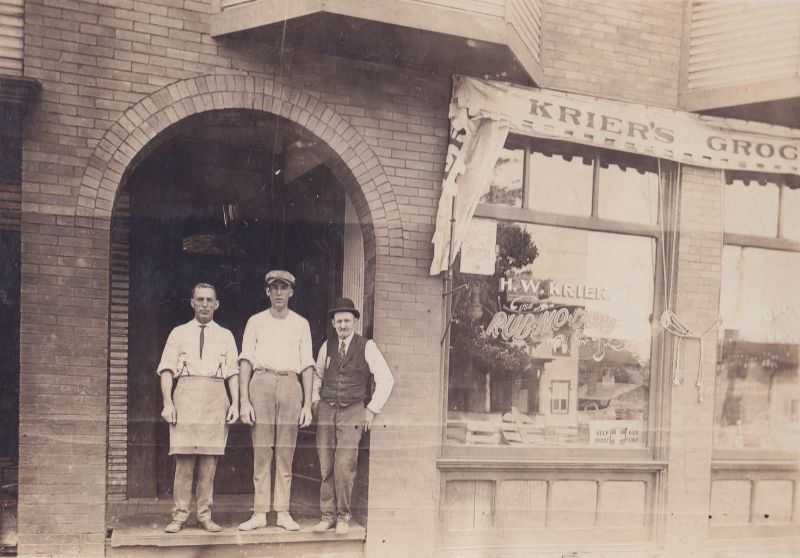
(495, 38)
(742, 59)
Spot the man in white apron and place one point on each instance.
(276, 349)
(201, 356)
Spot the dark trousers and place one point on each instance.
(338, 433)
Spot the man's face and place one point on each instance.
(344, 324)
(279, 294)
(204, 302)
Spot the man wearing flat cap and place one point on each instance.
(345, 366)
(276, 349)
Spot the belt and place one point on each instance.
(273, 371)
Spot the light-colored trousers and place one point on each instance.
(277, 401)
(185, 465)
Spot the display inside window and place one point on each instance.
(757, 390)
(553, 349)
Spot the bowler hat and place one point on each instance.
(344, 305)
(279, 275)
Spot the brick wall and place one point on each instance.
(104, 68)
(699, 271)
(620, 49)
(62, 386)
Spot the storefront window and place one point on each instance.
(561, 183)
(791, 213)
(506, 182)
(628, 193)
(751, 208)
(553, 349)
(757, 393)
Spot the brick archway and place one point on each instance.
(141, 130)
(357, 168)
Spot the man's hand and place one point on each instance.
(248, 414)
(305, 416)
(168, 413)
(233, 414)
(369, 416)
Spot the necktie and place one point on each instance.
(202, 339)
(342, 350)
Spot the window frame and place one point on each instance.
(654, 450)
(766, 457)
(554, 399)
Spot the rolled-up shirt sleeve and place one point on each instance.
(170, 355)
(248, 344)
(319, 372)
(384, 381)
(306, 353)
(231, 367)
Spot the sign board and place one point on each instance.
(706, 141)
(615, 433)
(478, 248)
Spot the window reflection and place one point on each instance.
(554, 348)
(751, 208)
(757, 392)
(505, 184)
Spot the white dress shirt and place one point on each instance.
(378, 367)
(181, 354)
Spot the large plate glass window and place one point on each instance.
(757, 389)
(554, 348)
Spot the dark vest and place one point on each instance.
(345, 381)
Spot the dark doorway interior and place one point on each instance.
(205, 210)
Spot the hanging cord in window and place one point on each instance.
(669, 319)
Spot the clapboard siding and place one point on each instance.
(732, 43)
(525, 18)
(11, 25)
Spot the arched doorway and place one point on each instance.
(222, 196)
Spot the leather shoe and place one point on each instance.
(174, 526)
(209, 525)
(342, 527)
(257, 521)
(324, 524)
(285, 520)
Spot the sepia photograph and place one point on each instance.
(400, 278)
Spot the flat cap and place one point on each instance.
(279, 275)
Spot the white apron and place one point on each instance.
(201, 404)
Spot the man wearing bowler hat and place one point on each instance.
(345, 365)
(276, 349)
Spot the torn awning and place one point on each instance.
(483, 113)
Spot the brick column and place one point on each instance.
(63, 386)
(691, 421)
